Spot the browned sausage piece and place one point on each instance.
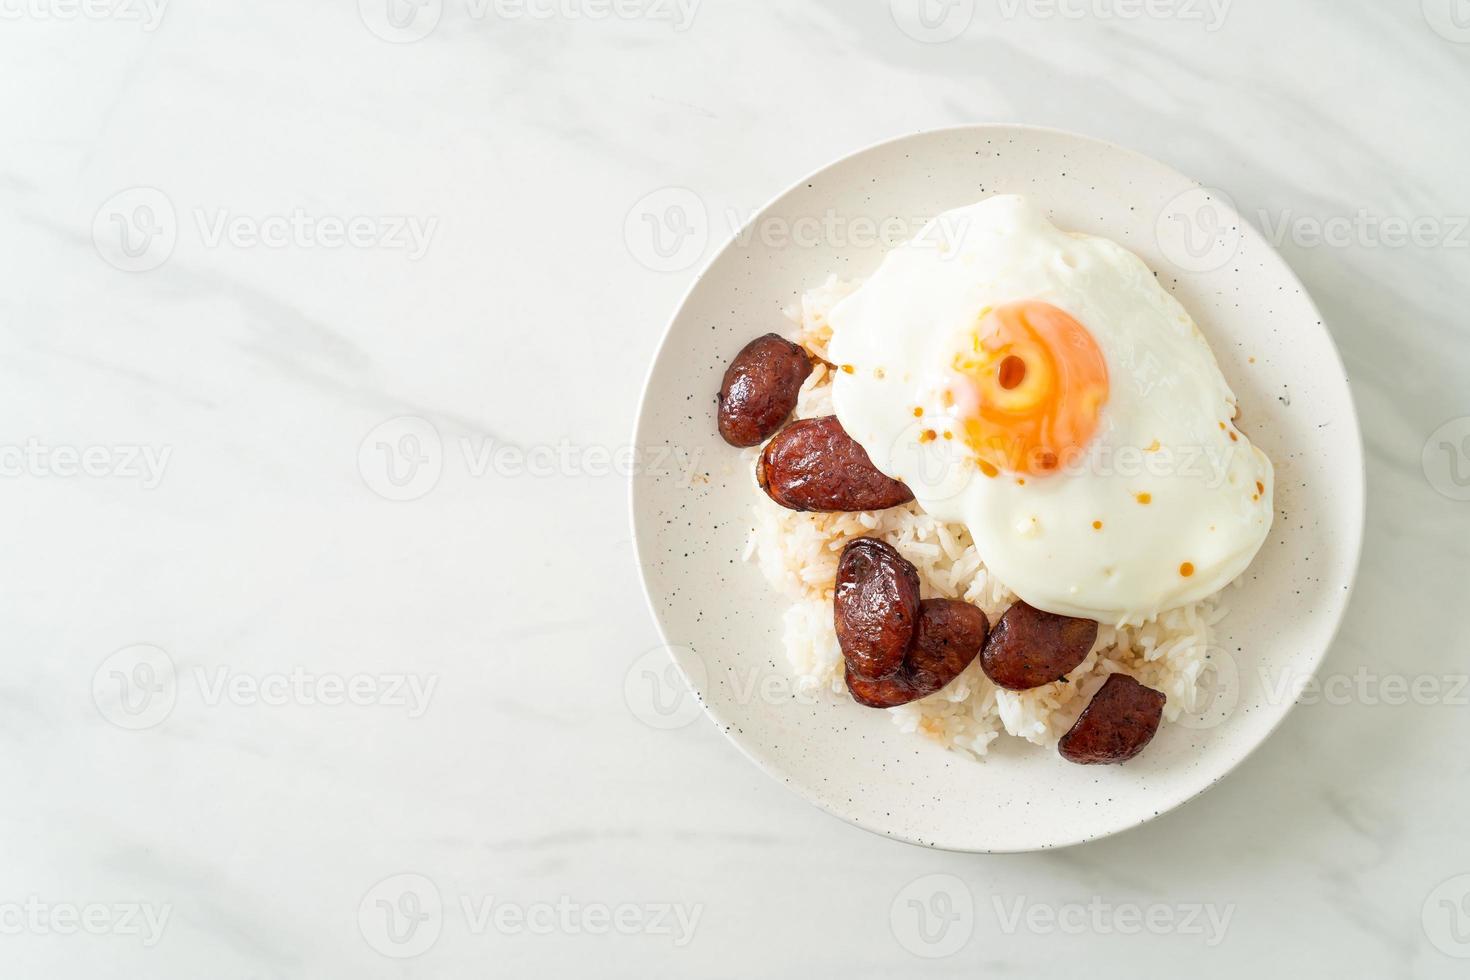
(875, 607)
(813, 464)
(947, 640)
(1030, 648)
(759, 391)
(1120, 721)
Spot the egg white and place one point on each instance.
(1165, 431)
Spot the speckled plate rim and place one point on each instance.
(778, 773)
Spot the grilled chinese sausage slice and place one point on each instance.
(875, 607)
(947, 639)
(814, 465)
(760, 388)
(1030, 648)
(1121, 719)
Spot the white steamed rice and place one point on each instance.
(798, 554)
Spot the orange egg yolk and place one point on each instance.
(1038, 384)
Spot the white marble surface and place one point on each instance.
(252, 814)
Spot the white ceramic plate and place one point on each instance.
(721, 620)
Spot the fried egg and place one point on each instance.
(1044, 390)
